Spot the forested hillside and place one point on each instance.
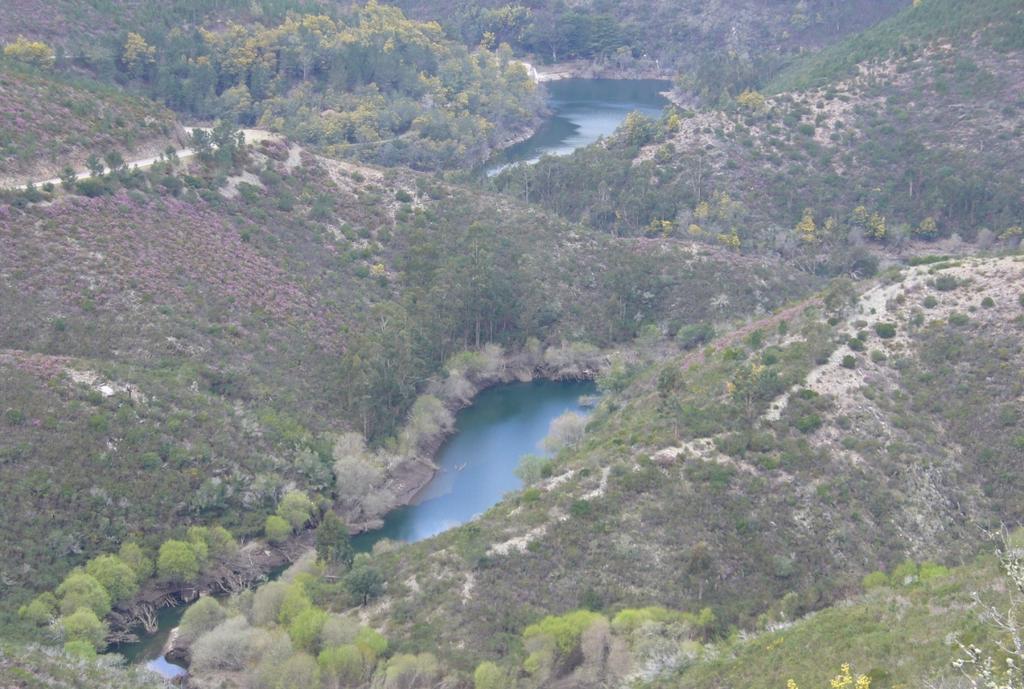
(243, 336)
(922, 143)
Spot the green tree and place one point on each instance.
(296, 508)
(305, 629)
(344, 666)
(177, 562)
(333, 545)
(135, 558)
(364, 583)
(295, 602)
(84, 625)
(489, 676)
(114, 575)
(276, 529)
(41, 610)
(82, 590)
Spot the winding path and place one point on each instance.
(252, 136)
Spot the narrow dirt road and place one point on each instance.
(252, 136)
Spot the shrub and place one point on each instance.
(295, 602)
(886, 331)
(277, 529)
(694, 335)
(875, 580)
(946, 283)
(371, 640)
(531, 468)
(344, 666)
(230, 646)
(406, 671)
(81, 590)
(930, 302)
(80, 649)
(266, 603)
(296, 508)
(878, 356)
(988, 302)
(489, 676)
(41, 610)
(808, 423)
(565, 432)
(959, 319)
(856, 344)
(931, 570)
(305, 629)
(338, 630)
(904, 574)
(83, 625)
(200, 617)
(562, 632)
(849, 361)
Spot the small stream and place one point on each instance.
(477, 467)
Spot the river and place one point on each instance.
(582, 111)
(477, 467)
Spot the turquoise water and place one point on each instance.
(477, 467)
(478, 462)
(583, 110)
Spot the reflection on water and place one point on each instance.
(477, 468)
(478, 463)
(584, 110)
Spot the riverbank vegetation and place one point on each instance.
(201, 320)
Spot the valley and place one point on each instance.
(474, 345)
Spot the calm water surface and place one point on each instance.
(477, 468)
(583, 110)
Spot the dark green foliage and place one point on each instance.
(849, 361)
(333, 546)
(886, 331)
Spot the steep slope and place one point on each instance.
(790, 458)
(921, 142)
(184, 348)
(52, 121)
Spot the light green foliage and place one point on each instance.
(875, 580)
(300, 671)
(200, 617)
(177, 561)
(217, 541)
(406, 671)
(40, 610)
(562, 632)
(296, 508)
(80, 648)
(932, 570)
(489, 676)
(266, 603)
(904, 574)
(345, 666)
(135, 558)
(277, 529)
(371, 640)
(306, 627)
(81, 590)
(115, 575)
(628, 620)
(294, 603)
(84, 625)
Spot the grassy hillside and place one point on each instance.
(51, 121)
(38, 667)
